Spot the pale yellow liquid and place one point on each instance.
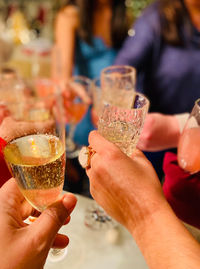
(38, 164)
(123, 134)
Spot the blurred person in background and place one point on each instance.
(164, 48)
(181, 188)
(129, 191)
(88, 35)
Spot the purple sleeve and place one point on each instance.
(137, 49)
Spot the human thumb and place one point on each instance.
(52, 218)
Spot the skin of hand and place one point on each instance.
(4, 112)
(27, 246)
(112, 175)
(10, 128)
(129, 191)
(72, 91)
(159, 132)
(78, 90)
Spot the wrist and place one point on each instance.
(150, 233)
(4, 135)
(173, 130)
(142, 216)
(163, 240)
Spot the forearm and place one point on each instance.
(65, 35)
(160, 132)
(165, 242)
(172, 131)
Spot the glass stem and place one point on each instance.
(69, 141)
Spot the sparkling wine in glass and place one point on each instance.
(36, 152)
(37, 162)
(122, 126)
(189, 142)
(77, 100)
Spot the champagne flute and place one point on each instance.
(77, 100)
(188, 146)
(35, 153)
(76, 92)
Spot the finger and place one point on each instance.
(81, 92)
(138, 156)
(66, 94)
(60, 241)
(138, 153)
(99, 143)
(67, 220)
(50, 221)
(27, 210)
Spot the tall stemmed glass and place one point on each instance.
(189, 142)
(35, 152)
(77, 102)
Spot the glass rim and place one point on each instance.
(35, 96)
(95, 80)
(79, 77)
(147, 104)
(112, 67)
(136, 92)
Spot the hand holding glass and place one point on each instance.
(189, 143)
(77, 100)
(36, 154)
(122, 126)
